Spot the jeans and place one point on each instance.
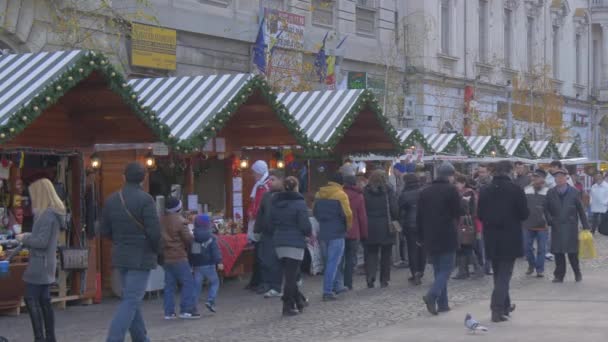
(537, 262)
(178, 273)
(38, 292)
(403, 247)
(443, 265)
(128, 314)
(560, 265)
(596, 220)
(501, 300)
(333, 250)
(200, 274)
(371, 266)
(270, 265)
(350, 261)
(256, 274)
(291, 269)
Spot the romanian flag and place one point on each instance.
(330, 79)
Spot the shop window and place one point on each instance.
(445, 26)
(365, 14)
(323, 12)
(218, 3)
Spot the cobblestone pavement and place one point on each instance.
(244, 316)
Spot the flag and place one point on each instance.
(259, 49)
(321, 61)
(331, 70)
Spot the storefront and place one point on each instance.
(56, 107)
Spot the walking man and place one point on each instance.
(564, 210)
(502, 209)
(599, 201)
(130, 220)
(439, 208)
(535, 227)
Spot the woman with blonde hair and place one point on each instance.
(381, 206)
(49, 219)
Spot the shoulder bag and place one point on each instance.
(466, 227)
(160, 258)
(393, 225)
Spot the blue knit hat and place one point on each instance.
(400, 167)
(202, 221)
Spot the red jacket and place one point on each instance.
(357, 205)
(254, 206)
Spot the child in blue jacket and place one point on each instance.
(204, 256)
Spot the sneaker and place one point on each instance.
(170, 317)
(549, 256)
(300, 282)
(530, 270)
(188, 315)
(330, 297)
(540, 275)
(272, 294)
(210, 306)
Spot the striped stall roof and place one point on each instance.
(539, 147)
(511, 145)
(319, 113)
(23, 76)
(439, 141)
(404, 134)
(478, 143)
(568, 150)
(186, 104)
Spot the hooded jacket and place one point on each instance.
(408, 207)
(289, 216)
(42, 243)
(381, 206)
(357, 205)
(536, 207)
(176, 238)
(332, 210)
(205, 250)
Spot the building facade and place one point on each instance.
(435, 64)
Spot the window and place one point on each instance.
(556, 52)
(508, 28)
(365, 13)
(596, 61)
(274, 4)
(483, 31)
(323, 12)
(577, 47)
(530, 44)
(445, 27)
(218, 3)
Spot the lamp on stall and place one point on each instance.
(244, 163)
(280, 164)
(95, 162)
(150, 161)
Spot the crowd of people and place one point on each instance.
(486, 220)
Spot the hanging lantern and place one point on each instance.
(244, 163)
(280, 164)
(95, 161)
(150, 161)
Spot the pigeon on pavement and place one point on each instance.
(473, 325)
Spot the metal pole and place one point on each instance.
(509, 111)
(596, 135)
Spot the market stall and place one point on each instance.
(518, 147)
(222, 124)
(569, 150)
(545, 149)
(55, 107)
(487, 146)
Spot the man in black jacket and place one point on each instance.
(438, 211)
(130, 220)
(502, 209)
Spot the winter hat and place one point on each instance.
(135, 173)
(260, 167)
(540, 173)
(173, 205)
(400, 167)
(337, 178)
(202, 222)
(446, 170)
(348, 170)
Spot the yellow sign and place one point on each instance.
(153, 47)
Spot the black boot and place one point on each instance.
(35, 312)
(498, 317)
(49, 319)
(301, 302)
(289, 308)
(463, 268)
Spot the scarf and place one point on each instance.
(261, 168)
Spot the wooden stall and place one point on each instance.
(56, 107)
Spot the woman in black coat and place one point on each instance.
(381, 206)
(408, 206)
(289, 217)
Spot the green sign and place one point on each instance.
(357, 80)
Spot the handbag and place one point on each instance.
(73, 258)
(160, 259)
(393, 225)
(466, 227)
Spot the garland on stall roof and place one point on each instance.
(523, 147)
(551, 147)
(459, 140)
(494, 142)
(417, 137)
(88, 62)
(220, 119)
(575, 151)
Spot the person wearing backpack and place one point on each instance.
(205, 255)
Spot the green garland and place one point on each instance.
(88, 62)
(494, 142)
(452, 146)
(220, 119)
(575, 152)
(551, 147)
(417, 137)
(524, 149)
